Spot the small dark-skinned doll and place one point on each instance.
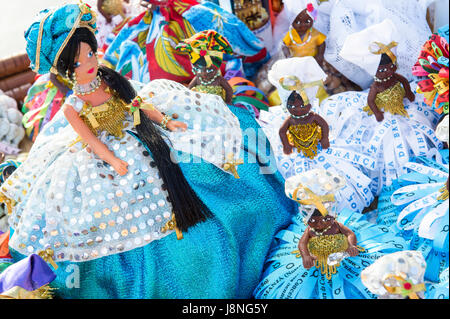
(388, 89)
(302, 39)
(303, 129)
(325, 241)
(206, 51)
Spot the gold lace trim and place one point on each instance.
(390, 100)
(323, 246)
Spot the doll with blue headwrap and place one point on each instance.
(158, 206)
(321, 254)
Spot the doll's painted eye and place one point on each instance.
(90, 54)
(76, 64)
(210, 70)
(308, 21)
(312, 220)
(392, 66)
(298, 22)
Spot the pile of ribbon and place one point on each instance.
(433, 63)
(248, 96)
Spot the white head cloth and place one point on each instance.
(320, 182)
(306, 69)
(442, 130)
(357, 46)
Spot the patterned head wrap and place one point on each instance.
(206, 44)
(52, 29)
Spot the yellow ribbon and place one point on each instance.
(409, 290)
(384, 49)
(136, 104)
(171, 225)
(231, 164)
(300, 86)
(316, 200)
(47, 255)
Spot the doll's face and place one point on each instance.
(386, 70)
(320, 222)
(302, 22)
(206, 73)
(86, 64)
(296, 106)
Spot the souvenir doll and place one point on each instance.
(206, 50)
(387, 125)
(304, 136)
(158, 206)
(398, 275)
(320, 255)
(141, 50)
(341, 19)
(11, 130)
(433, 64)
(416, 204)
(304, 40)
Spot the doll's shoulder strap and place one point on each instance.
(75, 102)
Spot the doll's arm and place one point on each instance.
(287, 148)
(351, 238)
(193, 83)
(100, 9)
(409, 93)
(228, 90)
(100, 149)
(371, 102)
(286, 50)
(308, 259)
(60, 86)
(320, 53)
(157, 117)
(324, 141)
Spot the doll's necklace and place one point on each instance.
(88, 88)
(382, 80)
(300, 116)
(206, 83)
(304, 42)
(320, 233)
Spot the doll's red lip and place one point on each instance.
(91, 70)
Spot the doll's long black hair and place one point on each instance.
(187, 206)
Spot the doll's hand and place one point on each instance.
(325, 144)
(352, 250)
(379, 116)
(287, 149)
(175, 125)
(308, 261)
(119, 166)
(411, 96)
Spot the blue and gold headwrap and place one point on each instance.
(49, 33)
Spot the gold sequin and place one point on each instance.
(390, 100)
(106, 211)
(305, 137)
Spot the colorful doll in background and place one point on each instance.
(302, 39)
(384, 124)
(305, 136)
(144, 49)
(99, 189)
(399, 275)
(44, 99)
(433, 63)
(321, 254)
(206, 50)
